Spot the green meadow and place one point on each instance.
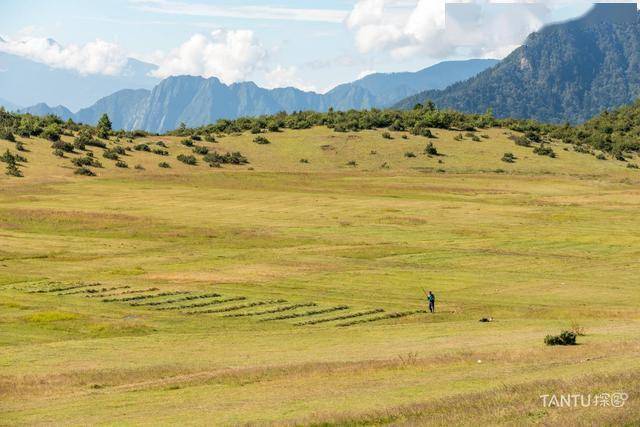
(289, 290)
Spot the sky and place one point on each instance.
(312, 45)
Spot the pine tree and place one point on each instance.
(104, 127)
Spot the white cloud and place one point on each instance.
(442, 28)
(230, 55)
(282, 76)
(244, 12)
(97, 57)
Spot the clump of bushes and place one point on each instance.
(187, 142)
(142, 147)
(51, 132)
(421, 130)
(565, 338)
(431, 150)
(84, 171)
(86, 161)
(352, 163)
(386, 135)
(543, 150)
(409, 154)
(161, 144)
(160, 152)
(6, 134)
(58, 152)
(261, 140)
(199, 149)
(632, 166)
(187, 159)
(508, 158)
(304, 160)
(110, 154)
(122, 164)
(64, 146)
(215, 159)
(164, 165)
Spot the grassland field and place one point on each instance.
(287, 292)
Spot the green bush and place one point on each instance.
(142, 147)
(187, 142)
(352, 163)
(386, 135)
(161, 144)
(64, 146)
(86, 161)
(235, 158)
(209, 138)
(632, 166)
(110, 154)
(508, 158)
(601, 156)
(20, 146)
(58, 152)
(160, 152)
(164, 165)
(6, 134)
(304, 160)
(187, 159)
(565, 338)
(431, 150)
(198, 149)
(543, 150)
(51, 132)
(261, 140)
(122, 164)
(12, 170)
(409, 154)
(84, 171)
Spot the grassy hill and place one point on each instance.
(193, 294)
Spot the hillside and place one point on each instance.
(564, 72)
(284, 290)
(197, 101)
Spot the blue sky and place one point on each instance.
(308, 44)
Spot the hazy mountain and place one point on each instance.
(43, 109)
(389, 88)
(8, 105)
(564, 72)
(27, 82)
(197, 101)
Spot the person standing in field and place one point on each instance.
(432, 302)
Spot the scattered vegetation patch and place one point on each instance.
(508, 158)
(565, 338)
(235, 307)
(387, 316)
(261, 140)
(306, 313)
(544, 150)
(203, 304)
(187, 159)
(274, 310)
(84, 171)
(174, 300)
(216, 159)
(164, 165)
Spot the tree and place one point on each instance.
(104, 127)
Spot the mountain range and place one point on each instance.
(569, 71)
(197, 101)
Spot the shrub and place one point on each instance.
(256, 129)
(51, 132)
(187, 142)
(216, 159)
(7, 135)
(86, 161)
(198, 149)
(139, 167)
(84, 171)
(164, 165)
(119, 150)
(104, 127)
(508, 158)
(187, 159)
(521, 141)
(20, 146)
(565, 338)
(161, 144)
(304, 160)
(409, 154)
(64, 146)
(160, 152)
(632, 166)
(385, 165)
(421, 130)
(58, 152)
(261, 140)
(110, 154)
(431, 150)
(352, 163)
(196, 137)
(475, 138)
(543, 150)
(142, 147)
(601, 156)
(209, 138)
(12, 170)
(405, 137)
(386, 135)
(122, 164)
